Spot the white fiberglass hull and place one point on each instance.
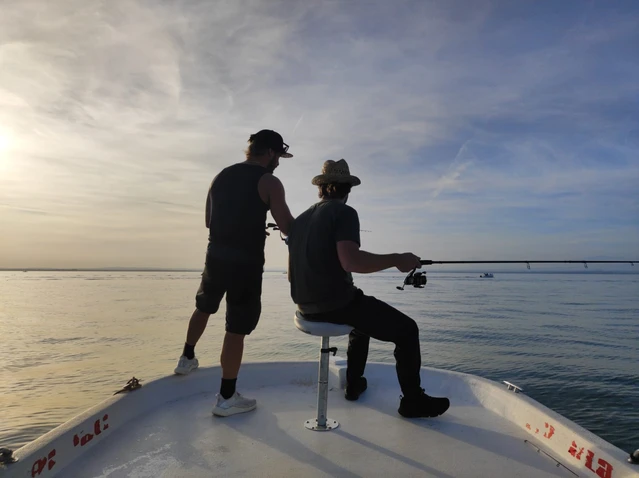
(165, 429)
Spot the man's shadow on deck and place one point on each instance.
(448, 425)
(267, 430)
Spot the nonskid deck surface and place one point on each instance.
(182, 439)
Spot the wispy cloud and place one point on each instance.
(459, 164)
(476, 127)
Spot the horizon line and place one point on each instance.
(553, 269)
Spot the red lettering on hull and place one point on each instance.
(45, 462)
(99, 426)
(573, 450)
(550, 430)
(603, 470)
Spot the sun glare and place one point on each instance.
(5, 140)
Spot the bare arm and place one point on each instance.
(271, 191)
(355, 260)
(207, 213)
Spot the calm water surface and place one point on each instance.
(571, 341)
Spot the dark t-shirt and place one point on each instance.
(318, 281)
(238, 215)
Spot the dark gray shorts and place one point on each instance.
(242, 285)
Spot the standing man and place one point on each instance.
(324, 249)
(236, 206)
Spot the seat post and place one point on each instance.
(325, 330)
(322, 384)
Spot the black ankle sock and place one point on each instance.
(228, 387)
(189, 351)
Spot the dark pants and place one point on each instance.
(371, 317)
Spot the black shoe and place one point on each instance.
(423, 405)
(354, 391)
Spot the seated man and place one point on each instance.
(324, 249)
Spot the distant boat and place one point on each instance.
(487, 275)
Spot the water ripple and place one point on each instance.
(571, 341)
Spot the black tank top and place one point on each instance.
(238, 215)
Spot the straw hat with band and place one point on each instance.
(272, 140)
(336, 172)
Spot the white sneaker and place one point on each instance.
(186, 366)
(234, 405)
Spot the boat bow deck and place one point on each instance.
(176, 435)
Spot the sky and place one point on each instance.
(479, 129)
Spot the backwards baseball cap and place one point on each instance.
(270, 139)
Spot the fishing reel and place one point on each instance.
(416, 279)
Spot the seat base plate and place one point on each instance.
(312, 425)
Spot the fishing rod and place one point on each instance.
(418, 279)
(585, 263)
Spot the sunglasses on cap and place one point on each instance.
(283, 151)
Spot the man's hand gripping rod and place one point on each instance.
(273, 226)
